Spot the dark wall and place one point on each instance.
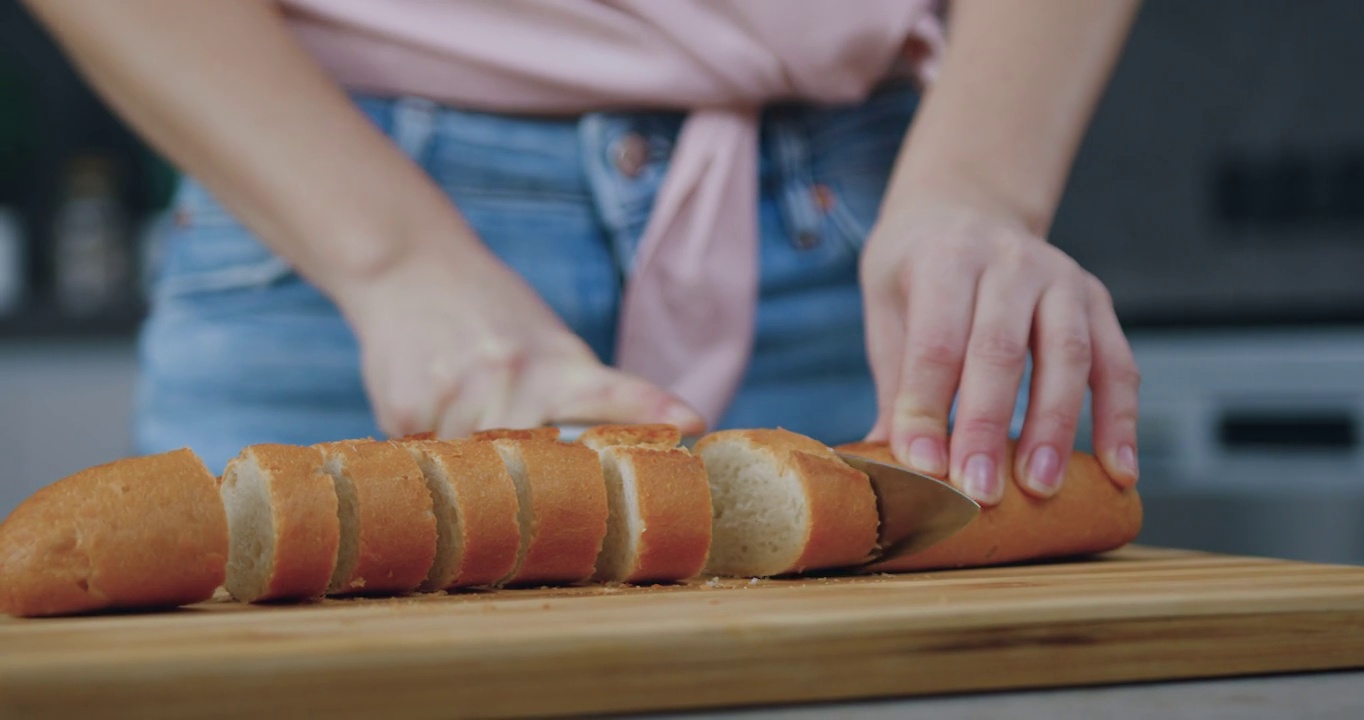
(1223, 178)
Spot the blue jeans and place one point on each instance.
(238, 349)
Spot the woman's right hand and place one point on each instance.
(456, 347)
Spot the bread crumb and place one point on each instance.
(753, 581)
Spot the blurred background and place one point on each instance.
(1219, 194)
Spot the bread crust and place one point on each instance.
(568, 502)
(547, 433)
(487, 508)
(303, 513)
(1090, 514)
(397, 524)
(674, 511)
(843, 517)
(142, 532)
(662, 436)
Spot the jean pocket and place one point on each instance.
(206, 250)
(852, 156)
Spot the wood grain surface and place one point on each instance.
(1136, 614)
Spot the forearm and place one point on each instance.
(1018, 85)
(223, 90)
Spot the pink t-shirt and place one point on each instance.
(687, 318)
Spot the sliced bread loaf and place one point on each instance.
(144, 532)
(281, 511)
(476, 512)
(561, 509)
(784, 503)
(388, 527)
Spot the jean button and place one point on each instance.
(823, 197)
(807, 240)
(629, 154)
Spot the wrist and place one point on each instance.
(410, 245)
(949, 185)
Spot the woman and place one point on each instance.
(711, 214)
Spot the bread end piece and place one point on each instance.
(138, 533)
(1090, 514)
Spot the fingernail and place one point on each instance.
(926, 456)
(1044, 471)
(980, 480)
(1127, 460)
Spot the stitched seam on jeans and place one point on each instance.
(256, 275)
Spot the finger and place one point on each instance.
(404, 402)
(1116, 383)
(605, 395)
(885, 325)
(478, 400)
(941, 302)
(995, 359)
(1061, 363)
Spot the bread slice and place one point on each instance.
(562, 509)
(658, 529)
(144, 532)
(1090, 514)
(656, 436)
(784, 503)
(388, 527)
(476, 510)
(281, 511)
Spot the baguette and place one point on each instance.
(784, 503)
(658, 527)
(1090, 514)
(137, 533)
(282, 514)
(388, 527)
(476, 512)
(562, 509)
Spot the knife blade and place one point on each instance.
(917, 511)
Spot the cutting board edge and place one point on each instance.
(795, 669)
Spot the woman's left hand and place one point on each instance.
(956, 297)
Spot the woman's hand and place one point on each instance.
(956, 298)
(464, 345)
(958, 281)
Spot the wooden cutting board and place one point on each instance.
(1137, 614)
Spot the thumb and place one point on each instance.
(612, 396)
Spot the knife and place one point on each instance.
(916, 511)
